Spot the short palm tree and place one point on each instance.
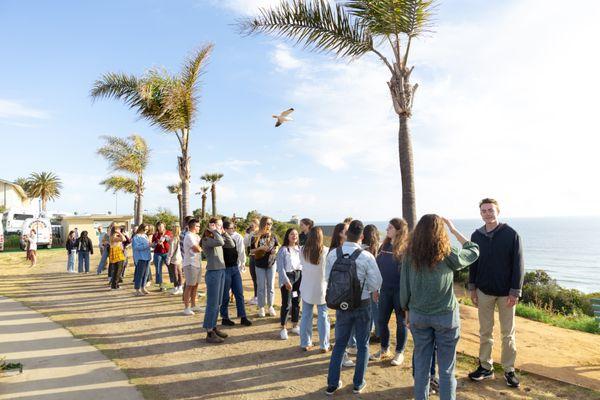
(176, 189)
(165, 100)
(44, 185)
(24, 183)
(130, 156)
(212, 179)
(203, 191)
(352, 29)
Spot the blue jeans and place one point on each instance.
(159, 260)
(360, 320)
(233, 281)
(444, 331)
(215, 283)
(389, 300)
(83, 261)
(71, 262)
(306, 325)
(264, 286)
(103, 257)
(140, 276)
(375, 317)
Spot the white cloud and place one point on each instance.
(15, 113)
(506, 107)
(283, 58)
(236, 165)
(247, 7)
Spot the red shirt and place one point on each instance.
(166, 244)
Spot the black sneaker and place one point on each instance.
(227, 322)
(220, 333)
(246, 322)
(434, 385)
(332, 389)
(359, 389)
(511, 379)
(480, 374)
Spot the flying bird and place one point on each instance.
(283, 117)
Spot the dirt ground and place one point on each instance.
(163, 352)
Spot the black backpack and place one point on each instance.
(344, 289)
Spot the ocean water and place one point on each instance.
(567, 248)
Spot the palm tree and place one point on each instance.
(352, 29)
(128, 155)
(23, 182)
(176, 189)
(165, 100)
(203, 191)
(212, 179)
(45, 185)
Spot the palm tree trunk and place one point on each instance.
(203, 206)
(180, 213)
(213, 195)
(138, 209)
(184, 174)
(409, 208)
(44, 201)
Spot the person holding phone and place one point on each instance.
(289, 269)
(264, 249)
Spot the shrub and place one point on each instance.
(163, 215)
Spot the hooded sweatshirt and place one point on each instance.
(500, 269)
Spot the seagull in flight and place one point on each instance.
(283, 117)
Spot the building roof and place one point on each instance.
(17, 188)
(96, 217)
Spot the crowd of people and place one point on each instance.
(409, 274)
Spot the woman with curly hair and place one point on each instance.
(427, 295)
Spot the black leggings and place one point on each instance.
(288, 301)
(253, 273)
(115, 271)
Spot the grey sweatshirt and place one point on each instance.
(213, 250)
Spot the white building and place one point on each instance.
(12, 196)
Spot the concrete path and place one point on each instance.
(56, 365)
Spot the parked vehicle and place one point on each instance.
(13, 220)
(43, 230)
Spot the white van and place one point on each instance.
(13, 220)
(43, 230)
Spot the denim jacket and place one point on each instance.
(141, 248)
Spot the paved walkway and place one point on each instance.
(56, 365)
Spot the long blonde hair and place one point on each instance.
(400, 240)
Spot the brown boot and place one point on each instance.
(211, 337)
(220, 333)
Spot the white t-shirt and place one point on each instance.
(33, 242)
(190, 257)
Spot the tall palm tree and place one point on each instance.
(351, 29)
(176, 189)
(166, 100)
(203, 191)
(128, 155)
(212, 179)
(45, 185)
(24, 183)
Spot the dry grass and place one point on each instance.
(164, 354)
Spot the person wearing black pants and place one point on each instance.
(289, 269)
(252, 229)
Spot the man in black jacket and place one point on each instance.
(496, 279)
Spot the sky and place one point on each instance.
(506, 108)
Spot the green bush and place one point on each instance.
(582, 323)
(162, 215)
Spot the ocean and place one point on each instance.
(568, 248)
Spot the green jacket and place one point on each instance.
(430, 291)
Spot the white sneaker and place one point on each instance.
(295, 330)
(283, 334)
(198, 308)
(272, 312)
(352, 350)
(173, 290)
(398, 359)
(380, 355)
(253, 301)
(179, 290)
(347, 362)
(261, 312)
(188, 311)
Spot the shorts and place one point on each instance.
(192, 275)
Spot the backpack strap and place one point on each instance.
(355, 255)
(339, 253)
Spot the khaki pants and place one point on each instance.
(486, 328)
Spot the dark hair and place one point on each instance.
(308, 222)
(313, 249)
(158, 223)
(84, 234)
(122, 229)
(355, 229)
(113, 229)
(286, 238)
(213, 220)
(400, 241)
(191, 222)
(187, 219)
(71, 233)
(228, 224)
(371, 239)
(336, 239)
(140, 229)
(430, 243)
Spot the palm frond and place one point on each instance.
(45, 185)
(392, 17)
(317, 24)
(125, 154)
(118, 183)
(212, 178)
(174, 189)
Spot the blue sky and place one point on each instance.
(505, 108)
